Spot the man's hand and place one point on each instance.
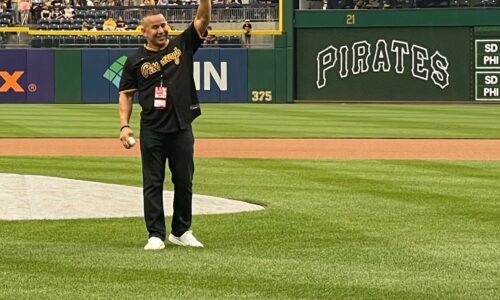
(124, 135)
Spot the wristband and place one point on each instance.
(124, 126)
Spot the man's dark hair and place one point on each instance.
(150, 13)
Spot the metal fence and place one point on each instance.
(268, 13)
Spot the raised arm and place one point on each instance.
(203, 16)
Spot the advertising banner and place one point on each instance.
(234, 62)
(113, 72)
(210, 76)
(40, 76)
(13, 77)
(95, 88)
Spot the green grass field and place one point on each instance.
(287, 120)
(333, 229)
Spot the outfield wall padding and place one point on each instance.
(13, 76)
(93, 75)
(371, 64)
(261, 75)
(40, 76)
(237, 68)
(113, 71)
(201, 68)
(68, 75)
(94, 88)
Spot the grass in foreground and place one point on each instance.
(332, 229)
(252, 120)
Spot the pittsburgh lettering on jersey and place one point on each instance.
(358, 59)
(174, 56)
(148, 69)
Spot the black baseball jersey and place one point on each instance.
(142, 72)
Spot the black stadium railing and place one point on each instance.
(122, 41)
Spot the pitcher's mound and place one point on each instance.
(28, 197)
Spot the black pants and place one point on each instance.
(177, 149)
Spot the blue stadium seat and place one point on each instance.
(114, 41)
(82, 40)
(47, 41)
(53, 27)
(101, 14)
(36, 42)
(124, 41)
(101, 40)
(76, 26)
(79, 14)
(56, 40)
(64, 27)
(67, 41)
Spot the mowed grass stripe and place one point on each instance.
(280, 121)
(331, 229)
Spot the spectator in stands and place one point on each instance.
(360, 4)
(45, 14)
(247, 27)
(90, 3)
(36, 11)
(57, 14)
(69, 12)
(24, 10)
(120, 24)
(15, 10)
(56, 3)
(211, 39)
(162, 2)
(109, 24)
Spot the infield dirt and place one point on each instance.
(447, 149)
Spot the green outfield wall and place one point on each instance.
(397, 55)
(68, 74)
(384, 63)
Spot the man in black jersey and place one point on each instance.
(162, 72)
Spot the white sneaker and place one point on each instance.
(154, 243)
(187, 239)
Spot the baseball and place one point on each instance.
(131, 141)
